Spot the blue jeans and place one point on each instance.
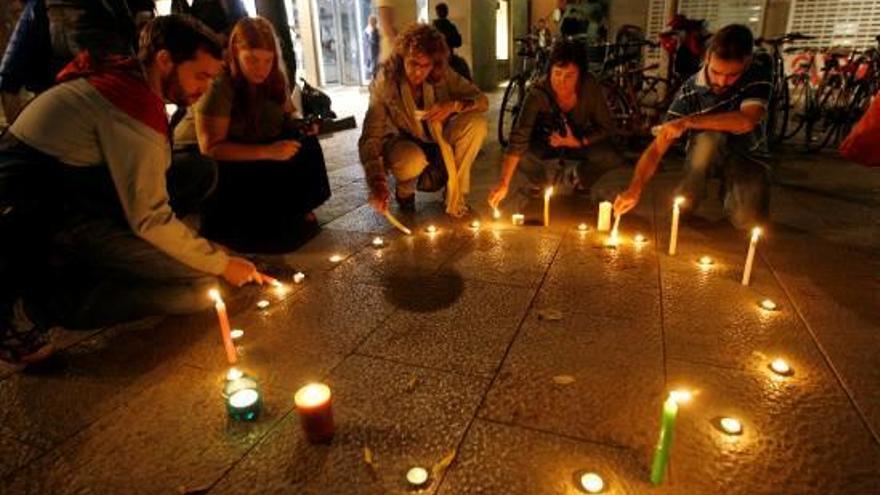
(96, 271)
(746, 182)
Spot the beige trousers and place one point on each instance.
(405, 160)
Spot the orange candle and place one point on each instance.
(315, 414)
(225, 332)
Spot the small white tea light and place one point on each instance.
(263, 304)
(475, 224)
(731, 426)
(236, 333)
(518, 219)
(639, 239)
(496, 213)
(583, 227)
(431, 229)
(378, 241)
(706, 261)
(681, 396)
(780, 367)
(234, 374)
(417, 476)
(336, 258)
(298, 277)
(768, 305)
(592, 483)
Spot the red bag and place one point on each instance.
(863, 143)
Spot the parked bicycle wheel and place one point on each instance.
(827, 127)
(801, 104)
(626, 117)
(511, 105)
(654, 98)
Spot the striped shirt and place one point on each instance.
(754, 87)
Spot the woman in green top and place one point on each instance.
(271, 176)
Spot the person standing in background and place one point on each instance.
(372, 39)
(394, 17)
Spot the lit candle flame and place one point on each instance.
(548, 192)
(263, 304)
(756, 233)
(378, 241)
(592, 483)
(681, 396)
(475, 224)
(335, 258)
(312, 395)
(496, 213)
(236, 333)
(639, 239)
(214, 294)
(731, 426)
(679, 200)
(234, 374)
(769, 305)
(244, 398)
(417, 476)
(298, 277)
(431, 229)
(780, 367)
(706, 261)
(583, 227)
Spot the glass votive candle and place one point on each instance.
(313, 403)
(242, 395)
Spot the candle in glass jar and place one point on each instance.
(313, 403)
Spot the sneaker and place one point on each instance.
(406, 203)
(21, 340)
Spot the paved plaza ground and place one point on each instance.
(532, 354)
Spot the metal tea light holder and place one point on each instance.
(242, 396)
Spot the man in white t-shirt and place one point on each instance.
(394, 17)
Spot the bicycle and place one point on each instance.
(535, 57)
(780, 98)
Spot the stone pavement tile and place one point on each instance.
(449, 323)
(406, 416)
(314, 258)
(614, 373)
(174, 437)
(800, 434)
(496, 459)
(515, 257)
(345, 198)
(301, 339)
(836, 290)
(14, 454)
(99, 375)
(401, 257)
(363, 218)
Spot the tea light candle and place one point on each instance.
(750, 257)
(223, 319)
(242, 394)
(378, 242)
(518, 219)
(496, 213)
(583, 227)
(313, 402)
(236, 333)
(592, 483)
(431, 229)
(475, 224)
(639, 239)
(768, 305)
(780, 367)
(263, 304)
(417, 476)
(731, 426)
(604, 222)
(298, 277)
(547, 193)
(673, 235)
(335, 258)
(706, 261)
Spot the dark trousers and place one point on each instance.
(746, 183)
(73, 257)
(260, 206)
(591, 163)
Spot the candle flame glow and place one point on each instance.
(378, 241)
(475, 224)
(234, 374)
(312, 395)
(298, 277)
(583, 227)
(263, 304)
(592, 483)
(236, 333)
(214, 294)
(431, 229)
(335, 258)
(769, 305)
(780, 367)
(756, 232)
(417, 476)
(639, 239)
(496, 213)
(679, 200)
(706, 261)
(681, 396)
(244, 398)
(548, 192)
(731, 426)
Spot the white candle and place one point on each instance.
(475, 224)
(263, 304)
(223, 318)
(431, 229)
(335, 258)
(639, 239)
(673, 235)
(604, 222)
(378, 241)
(750, 258)
(496, 213)
(583, 227)
(768, 305)
(706, 261)
(298, 277)
(780, 367)
(547, 193)
(236, 333)
(518, 219)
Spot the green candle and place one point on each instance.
(664, 442)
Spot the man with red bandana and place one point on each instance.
(86, 170)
